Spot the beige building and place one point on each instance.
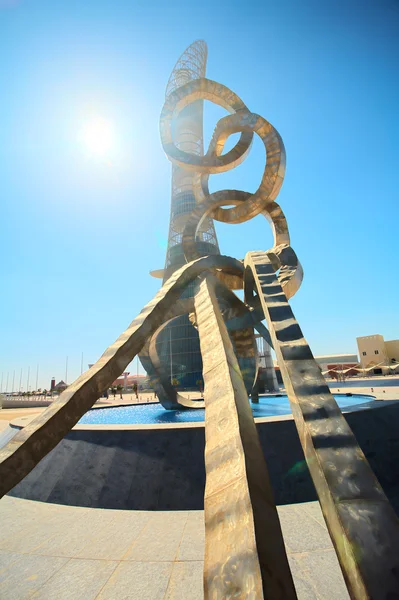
(331, 361)
(392, 350)
(375, 351)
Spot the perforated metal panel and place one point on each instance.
(180, 338)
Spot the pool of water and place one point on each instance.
(144, 414)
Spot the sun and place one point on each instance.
(98, 137)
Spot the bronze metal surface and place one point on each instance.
(245, 554)
(167, 394)
(362, 523)
(32, 443)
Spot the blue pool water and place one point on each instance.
(142, 414)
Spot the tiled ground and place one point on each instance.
(48, 551)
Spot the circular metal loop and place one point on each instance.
(202, 89)
(242, 206)
(273, 175)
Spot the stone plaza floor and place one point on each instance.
(56, 552)
(50, 551)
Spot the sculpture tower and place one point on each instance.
(178, 343)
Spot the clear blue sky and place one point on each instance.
(80, 233)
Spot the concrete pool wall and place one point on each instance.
(162, 467)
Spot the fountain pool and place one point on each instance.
(154, 413)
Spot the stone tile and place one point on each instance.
(7, 559)
(20, 506)
(160, 539)
(313, 509)
(15, 525)
(301, 532)
(303, 586)
(192, 545)
(115, 539)
(8, 502)
(24, 530)
(27, 535)
(186, 581)
(27, 575)
(323, 571)
(137, 581)
(78, 580)
(70, 540)
(30, 533)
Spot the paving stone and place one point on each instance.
(70, 540)
(137, 581)
(23, 534)
(160, 539)
(77, 580)
(186, 581)
(115, 539)
(27, 575)
(21, 520)
(301, 532)
(147, 543)
(313, 509)
(6, 560)
(303, 586)
(192, 546)
(16, 525)
(39, 532)
(323, 571)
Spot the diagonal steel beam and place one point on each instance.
(33, 442)
(244, 549)
(362, 523)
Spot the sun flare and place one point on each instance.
(98, 136)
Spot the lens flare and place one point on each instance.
(98, 137)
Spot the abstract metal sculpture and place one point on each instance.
(177, 343)
(245, 554)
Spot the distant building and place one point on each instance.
(337, 365)
(379, 355)
(329, 361)
(127, 381)
(60, 387)
(333, 365)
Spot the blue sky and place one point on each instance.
(80, 233)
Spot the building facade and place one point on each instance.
(374, 351)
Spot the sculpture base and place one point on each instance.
(162, 468)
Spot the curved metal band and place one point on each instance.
(239, 321)
(285, 258)
(202, 89)
(273, 175)
(170, 398)
(149, 357)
